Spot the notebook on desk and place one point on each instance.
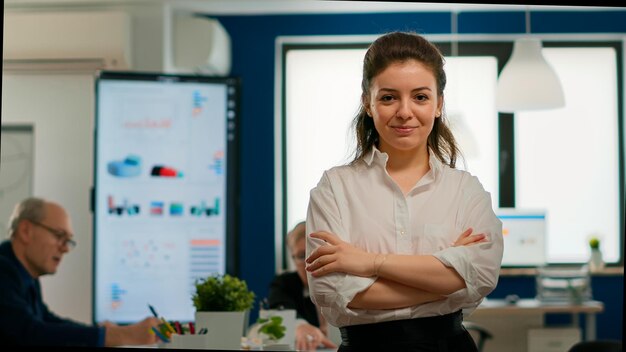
(524, 232)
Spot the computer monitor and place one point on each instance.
(165, 183)
(524, 232)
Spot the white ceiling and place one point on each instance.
(223, 7)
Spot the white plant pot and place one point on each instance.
(596, 262)
(225, 329)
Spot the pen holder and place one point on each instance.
(187, 342)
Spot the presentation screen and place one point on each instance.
(164, 191)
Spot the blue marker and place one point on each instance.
(153, 311)
(159, 335)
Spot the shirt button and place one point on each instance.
(402, 232)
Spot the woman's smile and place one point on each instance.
(404, 130)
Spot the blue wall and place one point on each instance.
(253, 44)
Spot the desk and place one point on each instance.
(509, 322)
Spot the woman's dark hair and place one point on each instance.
(392, 48)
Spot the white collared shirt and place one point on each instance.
(362, 205)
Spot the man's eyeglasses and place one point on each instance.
(60, 235)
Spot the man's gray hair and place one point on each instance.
(29, 209)
(296, 234)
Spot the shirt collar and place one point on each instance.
(375, 155)
(435, 164)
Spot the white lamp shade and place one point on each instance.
(527, 81)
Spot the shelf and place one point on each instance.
(608, 271)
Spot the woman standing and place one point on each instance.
(385, 260)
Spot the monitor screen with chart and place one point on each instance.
(164, 191)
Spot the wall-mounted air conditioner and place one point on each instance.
(67, 41)
(200, 45)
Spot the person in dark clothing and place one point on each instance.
(40, 235)
(289, 290)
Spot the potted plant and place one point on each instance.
(596, 262)
(223, 304)
(273, 330)
(272, 327)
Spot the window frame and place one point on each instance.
(499, 46)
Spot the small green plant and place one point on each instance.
(222, 293)
(272, 327)
(594, 243)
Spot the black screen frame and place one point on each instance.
(233, 84)
(502, 50)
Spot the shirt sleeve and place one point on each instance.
(479, 265)
(331, 292)
(101, 336)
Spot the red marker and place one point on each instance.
(179, 329)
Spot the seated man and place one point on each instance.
(290, 291)
(40, 235)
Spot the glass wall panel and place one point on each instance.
(567, 158)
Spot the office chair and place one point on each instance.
(597, 346)
(483, 334)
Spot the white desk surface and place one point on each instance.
(499, 306)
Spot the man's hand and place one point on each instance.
(107, 323)
(131, 335)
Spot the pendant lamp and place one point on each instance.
(527, 81)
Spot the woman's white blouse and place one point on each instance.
(363, 206)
